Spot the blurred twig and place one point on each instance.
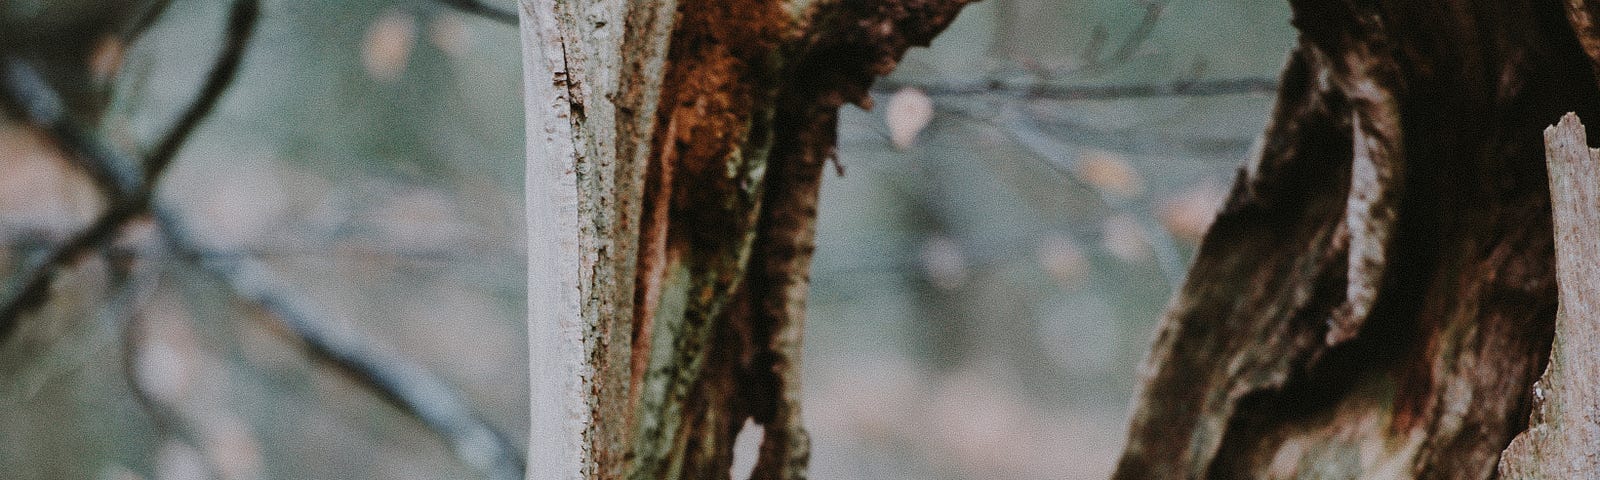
(1182, 88)
(24, 91)
(241, 23)
(477, 7)
(1022, 129)
(1140, 33)
(128, 192)
(147, 19)
(165, 418)
(404, 384)
(408, 386)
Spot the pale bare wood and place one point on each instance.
(1563, 439)
(557, 363)
(582, 207)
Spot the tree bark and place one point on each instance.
(675, 153)
(1379, 293)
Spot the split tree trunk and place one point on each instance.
(1379, 293)
(675, 152)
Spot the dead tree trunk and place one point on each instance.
(675, 152)
(1378, 295)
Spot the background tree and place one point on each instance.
(1378, 295)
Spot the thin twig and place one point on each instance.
(129, 192)
(165, 418)
(410, 387)
(241, 23)
(406, 385)
(1184, 88)
(147, 19)
(477, 7)
(25, 92)
(1020, 128)
(1140, 34)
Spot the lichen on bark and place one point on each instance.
(715, 234)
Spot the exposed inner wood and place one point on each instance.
(1563, 440)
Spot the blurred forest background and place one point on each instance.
(1010, 221)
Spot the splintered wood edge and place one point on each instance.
(1563, 436)
(558, 405)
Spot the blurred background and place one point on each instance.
(1010, 222)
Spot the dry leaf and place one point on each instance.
(1063, 260)
(177, 460)
(40, 191)
(1109, 173)
(451, 34)
(388, 45)
(1123, 237)
(106, 58)
(1189, 213)
(908, 112)
(944, 263)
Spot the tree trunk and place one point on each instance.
(1379, 293)
(675, 152)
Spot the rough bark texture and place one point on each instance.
(667, 285)
(1378, 294)
(1563, 440)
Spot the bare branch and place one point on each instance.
(1184, 88)
(406, 385)
(241, 22)
(1022, 129)
(129, 192)
(165, 418)
(1140, 34)
(477, 7)
(26, 93)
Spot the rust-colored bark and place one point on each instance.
(747, 118)
(1378, 294)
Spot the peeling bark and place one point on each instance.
(670, 310)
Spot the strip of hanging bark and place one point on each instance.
(1377, 296)
(648, 347)
(746, 120)
(1564, 434)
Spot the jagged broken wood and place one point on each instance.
(1563, 438)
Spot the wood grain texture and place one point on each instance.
(582, 210)
(1563, 439)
